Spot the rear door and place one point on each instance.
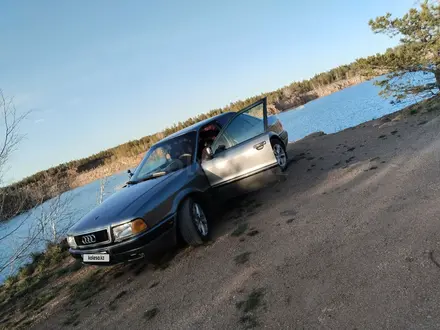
(242, 149)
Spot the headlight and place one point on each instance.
(129, 229)
(71, 242)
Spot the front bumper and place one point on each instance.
(146, 245)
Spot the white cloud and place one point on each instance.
(38, 121)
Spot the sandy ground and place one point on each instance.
(346, 239)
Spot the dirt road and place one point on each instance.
(348, 238)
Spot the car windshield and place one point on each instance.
(166, 157)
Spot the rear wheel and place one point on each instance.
(193, 223)
(280, 154)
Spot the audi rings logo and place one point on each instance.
(88, 239)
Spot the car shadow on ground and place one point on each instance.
(228, 216)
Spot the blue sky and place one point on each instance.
(99, 73)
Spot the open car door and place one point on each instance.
(241, 150)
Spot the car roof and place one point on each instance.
(194, 127)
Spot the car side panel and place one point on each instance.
(239, 161)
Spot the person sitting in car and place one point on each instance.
(179, 156)
(174, 163)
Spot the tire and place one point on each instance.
(193, 228)
(280, 153)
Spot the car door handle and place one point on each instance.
(260, 145)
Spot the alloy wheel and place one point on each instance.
(200, 220)
(280, 155)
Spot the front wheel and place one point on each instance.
(193, 223)
(280, 154)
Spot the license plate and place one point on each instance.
(101, 257)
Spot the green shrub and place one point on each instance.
(24, 286)
(26, 271)
(43, 264)
(36, 256)
(53, 256)
(10, 281)
(64, 245)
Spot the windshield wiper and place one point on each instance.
(151, 176)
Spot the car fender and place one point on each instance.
(273, 135)
(190, 191)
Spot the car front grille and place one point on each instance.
(94, 238)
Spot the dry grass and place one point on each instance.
(425, 106)
(25, 295)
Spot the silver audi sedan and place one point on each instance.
(170, 194)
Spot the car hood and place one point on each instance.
(112, 210)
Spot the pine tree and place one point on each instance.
(419, 51)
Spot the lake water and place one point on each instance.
(330, 114)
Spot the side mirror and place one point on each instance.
(207, 153)
(130, 174)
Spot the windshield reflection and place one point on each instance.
(167, 156)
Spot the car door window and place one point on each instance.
(242, 127)
(223, 120)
